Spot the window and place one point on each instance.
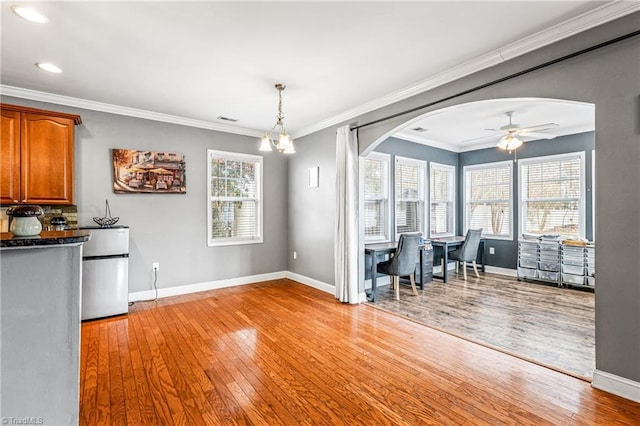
(487, 195)
(410, 195)
(376, 197)
(552, 195)
(235, 198)
(442, 204)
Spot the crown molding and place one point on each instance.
(598, 16)
(52, 98)
(424, 141)
(452, 74)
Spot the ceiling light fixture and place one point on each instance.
(509, 142)
(285, 143)
(30, 14)
(49, 67)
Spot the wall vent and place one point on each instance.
(222, 117)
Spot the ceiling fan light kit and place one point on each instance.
(285, 142)
(510, 140)
(509, 143)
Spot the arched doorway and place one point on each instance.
(465, 136)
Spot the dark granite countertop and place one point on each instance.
(46, 238)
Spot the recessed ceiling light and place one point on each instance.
(30, 14)
(47, 66)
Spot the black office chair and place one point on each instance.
(468, 252)
(403, 262)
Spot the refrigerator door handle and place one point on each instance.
(109, 256)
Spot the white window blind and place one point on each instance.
(442, 199)
(488, 203)
(410, 195)
(235, 204)
(552, 193)
(376, 197)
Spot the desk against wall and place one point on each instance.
(442, 247)
(434, 252)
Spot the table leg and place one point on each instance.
(482, 255)
(374, 272)
(445, 258)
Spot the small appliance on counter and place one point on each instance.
(105, 272)
(58, 223)
(24, 220)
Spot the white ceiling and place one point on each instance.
(190, 62)
(477, 125)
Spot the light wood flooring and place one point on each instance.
(279, 352)
(546, 324)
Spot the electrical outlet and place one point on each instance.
(156, 266)
(295, 255)
(492, 250)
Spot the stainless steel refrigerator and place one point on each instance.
(105, 272)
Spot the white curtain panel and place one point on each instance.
(346, 238)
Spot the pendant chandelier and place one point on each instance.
(284, 142)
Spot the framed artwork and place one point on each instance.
(148, 172)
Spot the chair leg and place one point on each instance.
(475, 269)
(412, 278)
(457, 264)
(464, 270)
(396, 283)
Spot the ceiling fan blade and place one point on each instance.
(486, 138)
(536, 135)
(538, 128)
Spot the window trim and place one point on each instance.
(387, 183)
(467, 193)
(425, 215)
(258, 238)
(550, 158)
(452, 169)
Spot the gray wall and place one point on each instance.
(172, 228)
(610, 79)
(312, 210)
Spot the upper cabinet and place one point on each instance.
(36, 166)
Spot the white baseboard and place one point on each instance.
(616, 385)
(311, 282)
(501, 271)
(210, 285)
(251, 279)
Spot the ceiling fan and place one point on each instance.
(513, 134)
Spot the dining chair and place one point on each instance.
(468, 252)
(403, 262)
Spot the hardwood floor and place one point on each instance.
(279, 352)
(550, 325)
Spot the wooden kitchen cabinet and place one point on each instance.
(37, 161)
